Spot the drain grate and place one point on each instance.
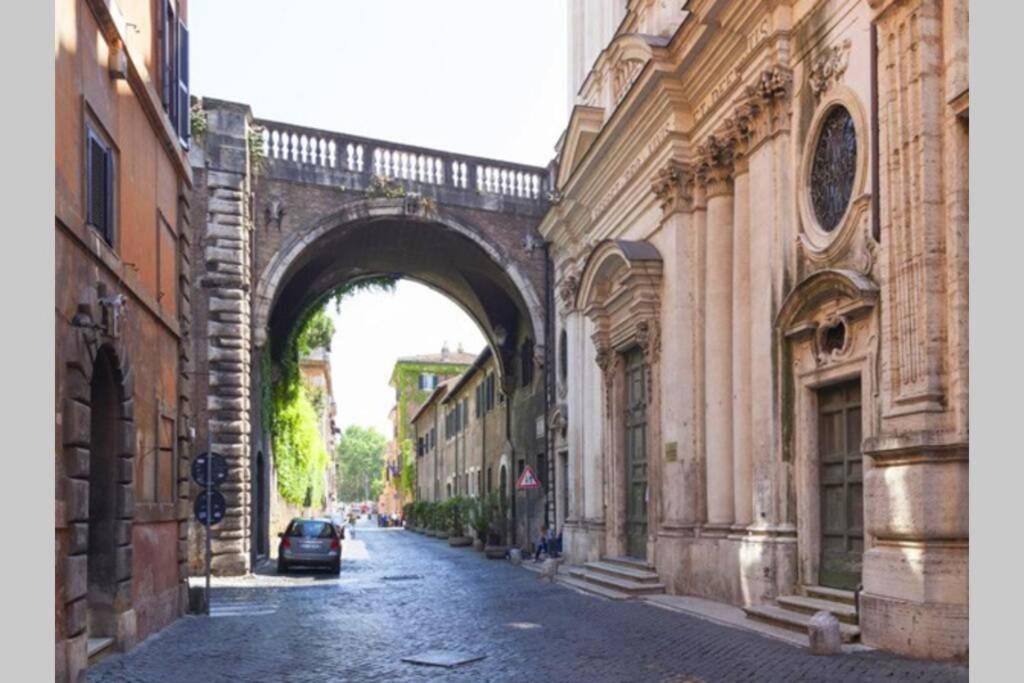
(403, 577)
(446, 658)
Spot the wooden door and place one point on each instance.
(636, 455)
(841, 488)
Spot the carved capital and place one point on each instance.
(773, 83)
(716, 164)
(673, 185)
(828, 67)
(567, 291)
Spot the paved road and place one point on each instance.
(400, 594)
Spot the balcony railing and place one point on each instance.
(328, 154)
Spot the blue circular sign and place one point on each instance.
(217, 464)
(218, 505)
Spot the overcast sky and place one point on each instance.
(482, 77)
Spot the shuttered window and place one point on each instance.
(174, 71)
(99, 183)
(184, 107)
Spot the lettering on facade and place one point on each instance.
(631, 170)
(754, 40)
(671, 451)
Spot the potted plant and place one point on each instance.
(439, 520)
(481, 522)
(457, 522)
(495, 544)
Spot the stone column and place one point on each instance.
(225, 342)
(718, 344)
(741, 296)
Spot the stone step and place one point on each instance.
(617, 583)
(795, 621)
(622, 571)
(98, 648)
(799, 603)
(833, 594)
(594, 588)
(629, 562)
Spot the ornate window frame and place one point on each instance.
(816, 239)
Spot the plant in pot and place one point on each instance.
(495, 544)
(481, 522)
(457, 522)
(439, 520)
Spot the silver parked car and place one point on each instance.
(312, 542)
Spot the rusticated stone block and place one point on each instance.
(76, 500)
(75, 577)
(75, 617)
(76, 462)
(124, 504)
(122, 532)
(78, 538)
(125, 470)
(123, 563)
(126, 445)
(77, 423)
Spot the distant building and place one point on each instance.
(414, 379)
(459, 435)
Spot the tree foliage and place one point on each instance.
(360, 463)
(294, 410)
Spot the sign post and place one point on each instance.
(209, 470)
(526, 482)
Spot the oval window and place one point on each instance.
(833, 168)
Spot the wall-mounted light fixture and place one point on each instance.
(117, 61)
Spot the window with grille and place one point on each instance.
(99, 182)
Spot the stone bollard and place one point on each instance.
(515, 556)
(823, 632)
(549, 569)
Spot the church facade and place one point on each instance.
(759, 236)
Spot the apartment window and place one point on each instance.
(428, 380)
(174, 68)
(489, 392)
(100, 180)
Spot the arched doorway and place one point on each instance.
(105, 402)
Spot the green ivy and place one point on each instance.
(290, 408)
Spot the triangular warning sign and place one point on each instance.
(528, 480)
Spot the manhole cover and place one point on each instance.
(403, 577)
(445, 658)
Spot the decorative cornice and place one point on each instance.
(828, 67)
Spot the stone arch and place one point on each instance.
(99, 448)
(410, 209)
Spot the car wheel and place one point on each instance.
(282, 566)
(336, 568)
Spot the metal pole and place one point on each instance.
(209, 526)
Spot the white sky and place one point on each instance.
(482, 77)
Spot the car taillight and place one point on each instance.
(285, 543)
(335, 544)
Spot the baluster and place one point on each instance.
(265, 137)
(377, 159)
(350, 156)
(332, 153)
(302, 148)
(274, 140)
(455, 173)
(359, 158)
(536, 186)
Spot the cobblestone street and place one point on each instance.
(400, 594)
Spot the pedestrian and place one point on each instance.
(542, 545)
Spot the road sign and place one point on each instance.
(217, 507)
(218, 466)
(528, 480)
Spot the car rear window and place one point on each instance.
(311, 530)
